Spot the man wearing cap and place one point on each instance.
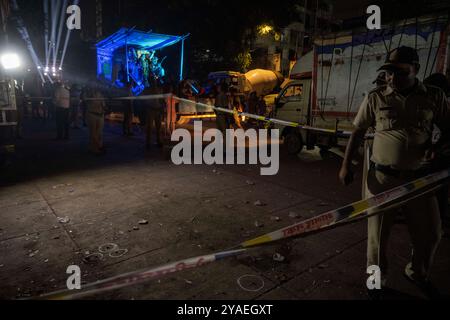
(402, 114)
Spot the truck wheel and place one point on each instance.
(325, 153)
(293, 142)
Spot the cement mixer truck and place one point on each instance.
(260, 81)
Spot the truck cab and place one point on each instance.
(293, 104)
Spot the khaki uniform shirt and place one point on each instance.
(96, 106)
(403, 125)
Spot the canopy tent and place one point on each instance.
(126, 38)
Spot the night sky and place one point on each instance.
(215, 25)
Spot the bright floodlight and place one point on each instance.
(10, 61)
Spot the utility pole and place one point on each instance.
(4, 12)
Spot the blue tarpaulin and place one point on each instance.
(133, 37)
(126, 39)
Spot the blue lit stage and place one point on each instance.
(131, 56)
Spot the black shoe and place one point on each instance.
(445, 221)
(376, 294)
(423, 284)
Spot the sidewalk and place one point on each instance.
(188, 211)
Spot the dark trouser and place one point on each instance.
(154, 116)
(20, 111)
(62, 123)
(50, 109)
(127, 120)
(222, 121)
(35, 106)
(83, 112)
(442, 196)
(74, 109)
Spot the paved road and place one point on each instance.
(59, 204)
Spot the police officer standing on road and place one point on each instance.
(61, 100)
(95, 118)
(402, 114)
(223, 101)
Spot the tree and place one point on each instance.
(244, 60)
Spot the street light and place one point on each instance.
(264, 29)
(10, 61)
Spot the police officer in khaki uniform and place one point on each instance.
(402, 114)
(95, 118)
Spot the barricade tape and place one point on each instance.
(354, 211)
(340, 133)
(268, 119)
(351, 211)
(136, 277)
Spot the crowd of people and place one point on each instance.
(72, 106)
(226, 96)
(402, 111)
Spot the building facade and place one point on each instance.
(278, 47)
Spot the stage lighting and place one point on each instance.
(10, 61)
